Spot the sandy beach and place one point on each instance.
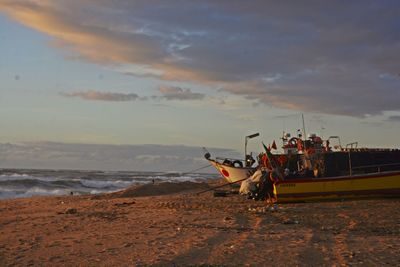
(169, 225)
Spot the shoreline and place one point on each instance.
(133, 228)
(25, 183)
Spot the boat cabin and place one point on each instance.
(314, 157)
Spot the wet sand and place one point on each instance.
(147, 226)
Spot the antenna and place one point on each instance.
(322, 132)
(304, 127)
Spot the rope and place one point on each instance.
(219, 186)
(192, 171)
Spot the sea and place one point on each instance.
(19, 183)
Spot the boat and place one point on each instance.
(309, 170)
(234, 170)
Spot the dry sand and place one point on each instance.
(132, 228)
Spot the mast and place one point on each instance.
(304, 127)
(245, 143)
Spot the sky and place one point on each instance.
(111, 75)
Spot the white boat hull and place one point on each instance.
(231, 173)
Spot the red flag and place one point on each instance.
(272, 161)
(274, 145)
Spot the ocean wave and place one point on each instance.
(106, 184)
(24, 176)
(27, 183)
(32, 182)
(34, 191)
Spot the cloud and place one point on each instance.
(102, 96)
(177, 93)
(247, 117)
(335, 58)
(394, 118)
(167, 93)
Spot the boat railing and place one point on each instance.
(353, 145)
(233, 162)
(350, 149)
(221, 159)
(378, 167)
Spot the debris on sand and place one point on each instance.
(71, 211)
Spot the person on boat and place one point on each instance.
(327, 147)
(299, 144)
(268, 189)
(265, 190)
(286, 172)
(249, 160)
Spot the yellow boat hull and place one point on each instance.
(360, 186)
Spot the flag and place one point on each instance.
(265, 147)
(274, 145)
(272, 161)
(269, 156)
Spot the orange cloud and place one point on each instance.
(93, 42)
